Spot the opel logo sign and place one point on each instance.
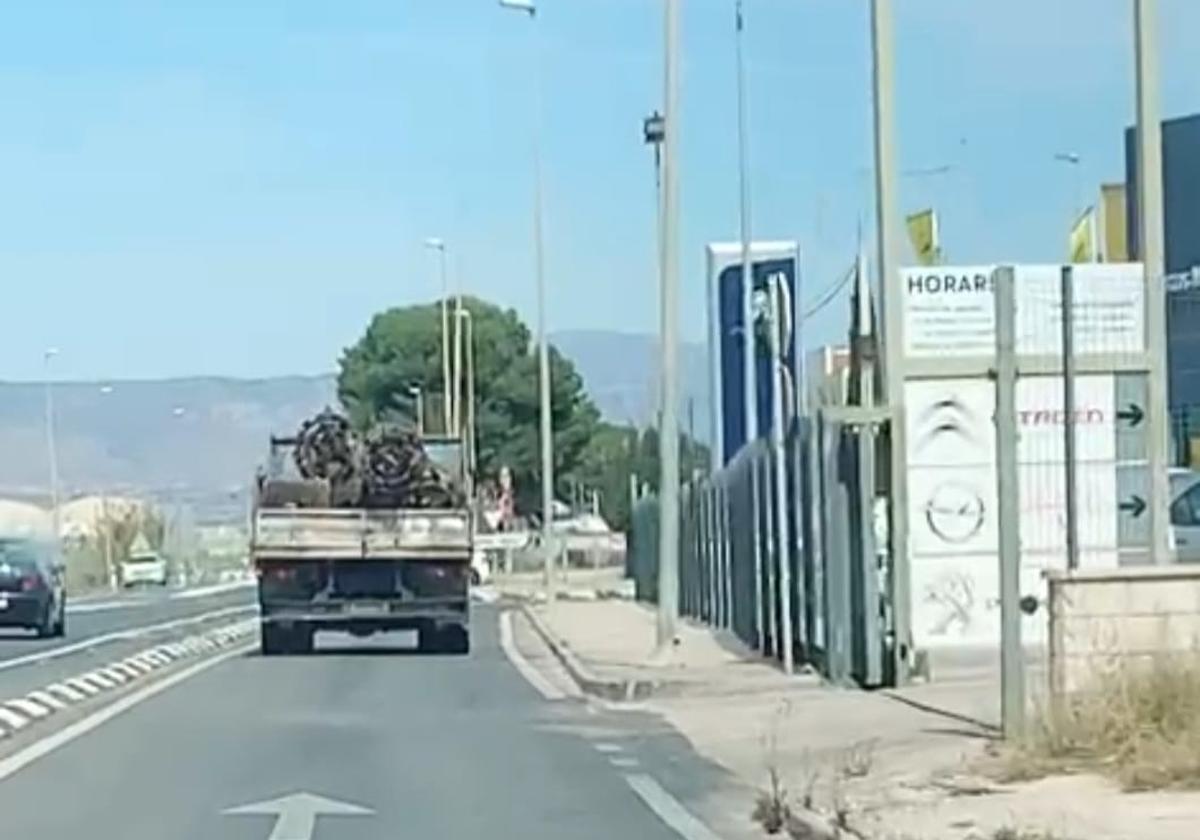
(955, 513)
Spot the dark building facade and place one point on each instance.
(1181, 228)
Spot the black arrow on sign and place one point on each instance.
(1133, 414)
(1135, 506)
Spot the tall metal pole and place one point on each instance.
(891, 301)
(782, 501)
(52, 448)
(1012, 666)
(464, 316)
(668, 436)
(1070, 462)
(1150, 244)
(749, 342)
(544, 424)
(440, 246)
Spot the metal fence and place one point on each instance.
(815, 599)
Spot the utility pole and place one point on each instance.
(749, 339)
(668, 437)
(1150, 246)
(439, 245)
(52, 448)
(892, 304)
(544, 422)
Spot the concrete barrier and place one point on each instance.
(1104, 619)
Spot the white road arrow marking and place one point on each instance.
(296, 814)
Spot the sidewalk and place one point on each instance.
(900, 764)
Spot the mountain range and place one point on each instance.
(196, 440)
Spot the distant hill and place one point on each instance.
(620, 371)
(197, 439)
(191, 439)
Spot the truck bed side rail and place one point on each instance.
(329, 533)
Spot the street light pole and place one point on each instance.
(544, 424)
(464, 316)
(439, 245)
(1150, 245)
(668, 436)
(419, 396)
(891, 303)
(52, 447)
(749, 338)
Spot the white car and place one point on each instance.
(144, 569)
(481, 567)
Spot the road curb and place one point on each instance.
(19, 712)
(606, 689)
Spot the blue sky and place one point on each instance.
(235, 186)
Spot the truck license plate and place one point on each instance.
(368, 607)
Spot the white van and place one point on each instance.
(144, 569)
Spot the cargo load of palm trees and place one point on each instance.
(385, 467)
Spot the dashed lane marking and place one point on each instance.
(30, 708)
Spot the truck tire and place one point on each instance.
(429, 640)
(273, 639)
(455, 639)
(301, 639)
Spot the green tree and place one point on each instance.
(402, 348)
(617, 452)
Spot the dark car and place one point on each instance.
(31, 588)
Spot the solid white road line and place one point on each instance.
(668, 809)
(214, 589)
(29, 708)
(36, 750)
(120, 635)
(102, 606)
(532, 676)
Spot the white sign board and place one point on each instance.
(951, 311)
(953, 542)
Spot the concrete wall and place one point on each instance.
(1103, 619)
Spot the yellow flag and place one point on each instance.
(1112, 202)
(1082, 242)
(923, 233)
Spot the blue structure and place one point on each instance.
(1181, 228)
(726, 347)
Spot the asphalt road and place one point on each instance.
(106, 628)
(424, 746)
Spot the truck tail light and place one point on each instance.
(31, 582)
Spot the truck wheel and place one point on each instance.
(302, 639)
(455, 639)
(429, 640)
(273, 639)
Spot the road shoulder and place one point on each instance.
(885, 764)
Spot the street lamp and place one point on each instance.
(51, 444)
(749, 360)
(464, 316)
(416, 393)
(668, 438)
(439, 245)
(547, 443)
